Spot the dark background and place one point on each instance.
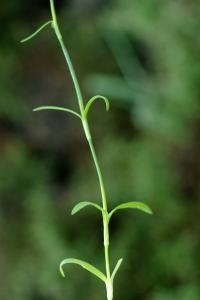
(145, 57)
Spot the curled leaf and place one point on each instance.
(138, 205)
(57, 108)
(36, 32)
(116, 268)
(83, 204)
(84, 265)
(90, 102)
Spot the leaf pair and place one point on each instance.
(135, 205)
(87, 107)
(90, 268)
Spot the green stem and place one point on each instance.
(109, 285)
(67, 57)
(104, 202)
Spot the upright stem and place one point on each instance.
(109, 285)
(67, 57)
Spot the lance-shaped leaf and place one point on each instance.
(137, 205)
(36, 32)
(90, 102)
(83, 204)
(57, 108)
(84, 265)
(116, 268)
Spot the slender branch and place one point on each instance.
(86, 128)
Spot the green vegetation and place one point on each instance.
(145, 57)
(108, 279)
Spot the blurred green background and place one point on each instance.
(145, 57)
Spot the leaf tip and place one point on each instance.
(73, 212)
(61, 271)
(107, 106)
(149, 211)
(36, 109)
(25, 40)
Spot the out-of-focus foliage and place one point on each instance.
(144, 56)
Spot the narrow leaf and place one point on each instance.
(57, 108)
(83, 204)
(98, 97)
(116, 268)
(36, 32)
(138, 205)
(84, 265)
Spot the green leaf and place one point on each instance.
(116, 268)
(138, 205)
(57, 108)
(84, 265)
(83, 204)
(90, 102)
(36, 32)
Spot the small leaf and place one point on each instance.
(116, 268)
(57, 108)
(84, 265)
(138, 205)
(36, 32)
(83, 204)
(90, 102)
